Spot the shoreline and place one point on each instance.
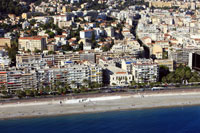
(67, 114)
(105, 103)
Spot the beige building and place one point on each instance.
(4, 42)
(166, 62)
(157, 51)
(109, 31)
(32, 43)
(64, 9)
(118, 76)
(51, 47)
(26, 15)
(160, 4)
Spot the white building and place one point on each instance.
(73, 74)
(86, 34)
(118, 76)
(110, 31)
(145, 71)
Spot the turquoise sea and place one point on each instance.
(163, 120)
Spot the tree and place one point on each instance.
(133, 83)
(51, 34)
(51, 52)
(163, 71)
(29, 93)
(35, 93)
(94, 85)
(29, 51)
(12, 51)
(13, 7)
(62, 90)
(67, 86)
(20, 93)
(86, 82)
(80, 47)
(192, 79)
(32, 22)
(37, 50)
(3, 87)
(181, 74)
(153, 57)
(188, 74)
(93, 40)
(73, 83)
(33, 32)
(66, 47)
(105, 48)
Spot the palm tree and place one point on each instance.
(73, 83)
(86, 82)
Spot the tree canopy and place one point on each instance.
(181, 74)
(13, 7)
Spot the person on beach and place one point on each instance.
(61, 103)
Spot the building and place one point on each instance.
(194, 62)
(26, 15)
(32, 43)
(18, 80)
(88, 56)
(4, 62)
(4, 42)
(51, 47)
(160, 4)
(29, 61)
(181, 56)
(145, 71)
(109, 32)
(73, 74)
(74, 1)
(117, 76)
(86, 34)
(157, 51)
(166, 62)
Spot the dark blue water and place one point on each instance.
(164, 120)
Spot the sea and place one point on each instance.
(160, 120)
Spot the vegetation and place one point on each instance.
(165, 8)
(66, 47)
(12, 7)
(51, 25)
(165, 55)
(8, 27)
(37, 2)
(181, 74)
(94, 5)
(12, 51)
(93, 41)
(131, 3)
(107, 48)
(163, 72)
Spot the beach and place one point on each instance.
(98, 103)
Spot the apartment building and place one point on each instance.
(86, 34)
(73, 74)
(181, 56)
(32, 43)
(4, 42)
(166, 62)
(18, 80)
(30, 61)
(145, 71)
